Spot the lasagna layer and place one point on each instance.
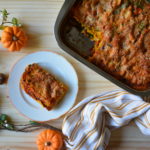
(120, 30)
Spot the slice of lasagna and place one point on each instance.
(42, 86)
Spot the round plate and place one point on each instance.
(59, 67)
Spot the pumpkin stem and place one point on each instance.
(14, 38)
(48, 143)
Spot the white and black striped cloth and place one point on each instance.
(88, 125)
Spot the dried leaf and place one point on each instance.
(3, 117)
(34, 123)
(9, 126)
(5, 14)
(15, 21)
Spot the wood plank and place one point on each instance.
(38, 18)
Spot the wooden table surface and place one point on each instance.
(38, 18)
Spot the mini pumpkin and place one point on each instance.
(50, 140)
(13, 38)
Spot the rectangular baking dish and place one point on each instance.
(70, 39)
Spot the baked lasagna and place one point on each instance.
(120, 30)
(42, 86)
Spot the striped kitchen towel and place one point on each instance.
(88, 125)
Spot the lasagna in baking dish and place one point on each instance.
(120, 30)
(42, 86)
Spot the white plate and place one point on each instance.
(55, 64)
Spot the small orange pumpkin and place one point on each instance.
(13, 38)
(50, 140)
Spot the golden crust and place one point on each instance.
(42, 86)
(120, 30)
